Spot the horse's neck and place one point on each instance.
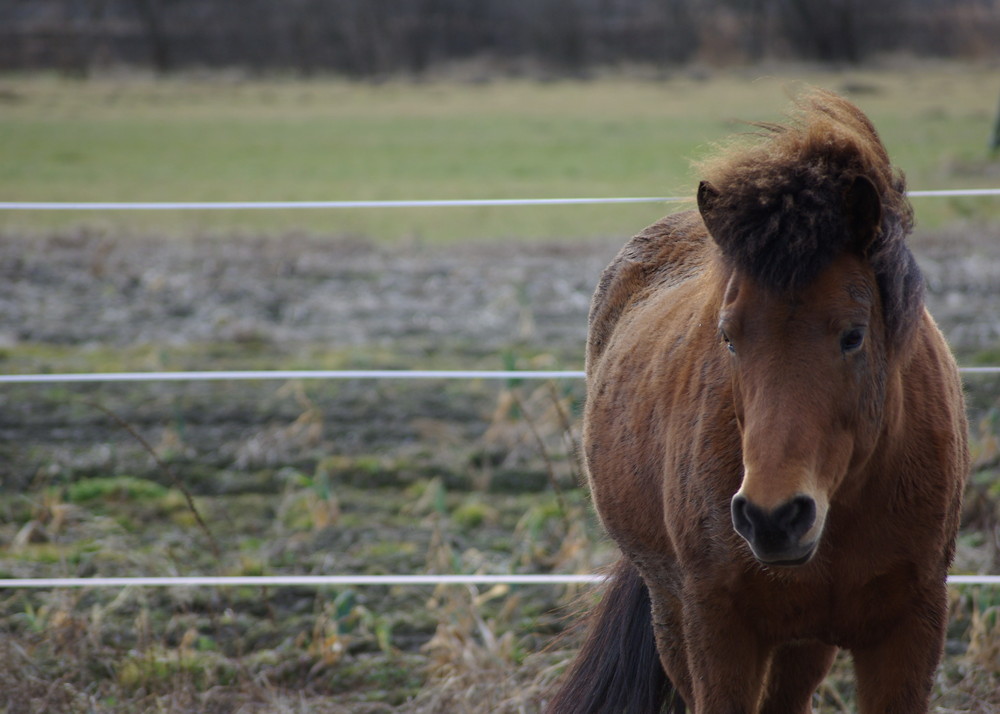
(922, 393)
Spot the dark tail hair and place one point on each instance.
(618, 668)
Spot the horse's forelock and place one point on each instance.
(776, 206)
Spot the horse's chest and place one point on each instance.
(845, 612)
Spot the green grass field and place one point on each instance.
(134, 139)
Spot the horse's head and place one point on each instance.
(808, 362)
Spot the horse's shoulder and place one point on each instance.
(665, 252)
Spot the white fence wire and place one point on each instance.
(434, 203)
(320, 374)
(264, 581)
(279, 374)
(356, 580)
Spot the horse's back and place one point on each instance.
(669, 251)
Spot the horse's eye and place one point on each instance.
(852, 340)
(729, 343)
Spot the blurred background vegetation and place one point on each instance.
(372, 38)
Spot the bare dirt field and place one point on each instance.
(344, 477)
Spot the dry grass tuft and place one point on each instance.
(476, 664)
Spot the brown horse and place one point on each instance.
(776, 439)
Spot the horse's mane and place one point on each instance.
(780, 209)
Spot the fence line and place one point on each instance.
(355, 580)
(340, 580)
(280, 374)
(330, 374)
(292, 205)
(301, 580)
(433, 203)
(264, 581)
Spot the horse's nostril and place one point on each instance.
(796, 517)
(742, 521)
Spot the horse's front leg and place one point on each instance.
(895, 676)
(797, 669)
(726, 660)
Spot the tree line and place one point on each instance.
(370, 38)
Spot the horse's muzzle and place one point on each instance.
(775, 536)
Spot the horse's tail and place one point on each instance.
(618, 668)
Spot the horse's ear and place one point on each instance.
(708, 196)
(864, 213)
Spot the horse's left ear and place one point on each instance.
(864, 213)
